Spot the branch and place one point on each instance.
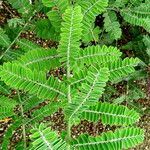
(3, 54)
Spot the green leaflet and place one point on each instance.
(30, 102)
(4, 89)
(12, 54)
(55, 19)
(119, 3)
(136, 2)
(15, 22)
(78, 77)
(146, 40)
(61, 5)
(94, 36)
(48, 3)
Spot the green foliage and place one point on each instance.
(12, 54)
(146, 40)
(30, 102)
(55, 19)
(94, 36)
(138, 15)
(14, 22)
(110, 114)
(26, 45)
(91, 91)
(40, 59)
(36, 82)
(44, 138)
(48, 3)
(23, 6)
(119, 3)
(6, 107)
(98, 55)
(9, 133)
(45, 30)
(90, 10)
(60, 4)
(133, 94)
(120, 139)
(47, 110)
(111, 25)
(121, 68)
(55, 15)
(4, 39)
(70, 36)
(4, 89)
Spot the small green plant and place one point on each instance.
(87, 72)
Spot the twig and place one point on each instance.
(15, 38)
(23, 125)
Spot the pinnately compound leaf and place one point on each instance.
(120, 139)
(111, 114)
(34, 82)
(90, 91)
(43, 138)
(40, 59)
(70, 36)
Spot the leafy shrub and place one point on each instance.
(89, 68)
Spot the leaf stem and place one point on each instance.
(23, 125)
(69, 88)
(69, 101)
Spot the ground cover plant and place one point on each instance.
(66, 58)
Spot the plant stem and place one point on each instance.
(23, 125)
(69, 101)
(16, 37)
(69, 97)
(23, 129)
